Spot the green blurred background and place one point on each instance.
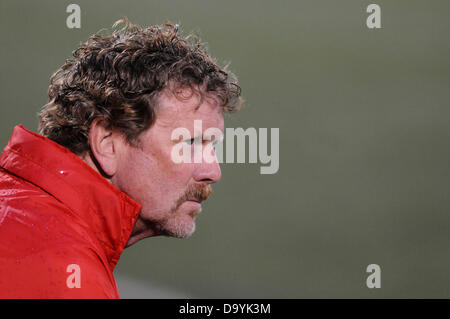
(364, 144)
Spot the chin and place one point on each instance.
(182, 227)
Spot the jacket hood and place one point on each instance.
(109, 213)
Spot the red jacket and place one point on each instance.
(62, 225)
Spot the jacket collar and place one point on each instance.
(108, 212)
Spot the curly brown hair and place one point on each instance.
(118, 77)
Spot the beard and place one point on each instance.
(179, 227)
(181, 221)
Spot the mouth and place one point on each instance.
(197, 207)
(195, 200)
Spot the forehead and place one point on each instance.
(181, 108)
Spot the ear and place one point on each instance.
(105, 145)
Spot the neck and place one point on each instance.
(141, 230)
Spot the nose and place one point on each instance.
(208, 173)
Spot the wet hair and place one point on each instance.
(118, 78)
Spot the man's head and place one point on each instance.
(116, 105)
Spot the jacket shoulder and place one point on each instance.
(45, 251)
(30, 213)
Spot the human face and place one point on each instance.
(171, 193)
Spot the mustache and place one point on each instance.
(197, 192)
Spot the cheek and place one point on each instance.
(171, 173)
(152, 175)
(138, 172)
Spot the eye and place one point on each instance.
(217, 141)
(191, 141)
